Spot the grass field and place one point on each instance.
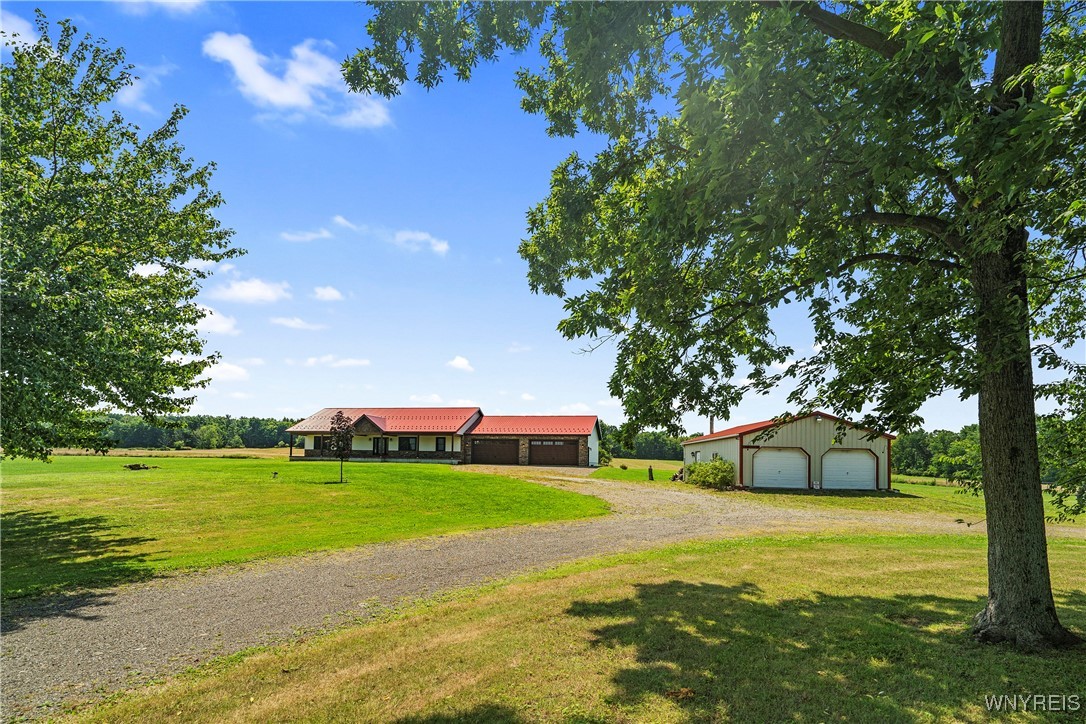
(276, 453)
(87, 522)
(801, 629)
(638, 469)
(943, 501)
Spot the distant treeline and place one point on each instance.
(199, 431)
(956, 455)
(652, 445)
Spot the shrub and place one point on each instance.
(718, 474)
(623, 466)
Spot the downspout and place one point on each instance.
(742, 483)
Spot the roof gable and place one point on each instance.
(393, 419)
(752, 427)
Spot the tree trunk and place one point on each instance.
(1020, 608)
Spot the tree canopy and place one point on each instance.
(913, 174)
(106, 234)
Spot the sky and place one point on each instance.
(381, 236)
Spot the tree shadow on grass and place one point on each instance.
(483, 714)
(50, 562)
(726, 652)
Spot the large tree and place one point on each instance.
(106, 234)
(913, 174)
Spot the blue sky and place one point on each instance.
(381, 236)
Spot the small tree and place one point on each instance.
(340, 439)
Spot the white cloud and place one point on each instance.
(148, 270)
(227, 372)
(527, 396)
(251, 291)
(216, 323)
(609, 402)
(240, 395)
(463, 403)
(327, 294)
(518, 347)
(321, 233)
(297, 323)
(341, 221)
(147, 77)
(331, 360)
(417, 240)
(309, 83)
(12, 24)
(252, 361)
(426, 399)
(173, 7)
(460, 363)
(350, 362)
(577, 408)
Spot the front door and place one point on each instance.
(380, 446)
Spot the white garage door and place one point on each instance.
(780, 469)
(848, 470)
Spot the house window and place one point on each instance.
(696, 455)
(409, 443)
(439, 444)
(715, 456)
(318, 442)
(380, 445)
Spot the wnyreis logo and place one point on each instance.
(1033, 702)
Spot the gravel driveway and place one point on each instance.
(64, 649)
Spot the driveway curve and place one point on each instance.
(60, 650)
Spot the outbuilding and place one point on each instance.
(800, 453)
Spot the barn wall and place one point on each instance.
(816, 437)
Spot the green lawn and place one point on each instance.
(941, 500)
(638, 469)
(804, 629)
(86, 521)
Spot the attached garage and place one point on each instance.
(849, 470)
(812, 451)
(568, 440)
(552, 452)
(780, 468)
(495, 452)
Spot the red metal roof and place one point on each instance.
(535, 425)
(764, 425)
(393, 419)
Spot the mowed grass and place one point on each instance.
(88, 522)
(946, 502)
(637, 470)
(804, 629)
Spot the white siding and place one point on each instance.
(816, 438)
(594, 448)
(726, 448)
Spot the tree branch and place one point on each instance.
(933, 225)
(841, 28)
(776, 296)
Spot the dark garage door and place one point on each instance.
(495, 452)
(552, 452)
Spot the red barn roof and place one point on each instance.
(394, 419)
(535, 425)
(765, 425)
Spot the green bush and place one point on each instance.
(605, 457)
(718, 474)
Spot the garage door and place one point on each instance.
(495, 452)
(780, 468)
(552, 452)
(848, 470)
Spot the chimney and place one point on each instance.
(710, 424)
